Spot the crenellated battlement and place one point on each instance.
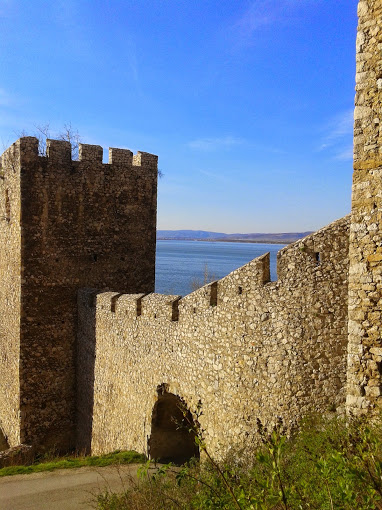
(60, 152)
(309, 259)
(175, 307)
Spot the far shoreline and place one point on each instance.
(251, 241)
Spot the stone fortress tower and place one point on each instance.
(365, 275)
(91, 358)
(63, 225)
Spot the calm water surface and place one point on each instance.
(178, 263)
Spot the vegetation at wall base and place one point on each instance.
(50, 464)
(327, 465)
(208, 277)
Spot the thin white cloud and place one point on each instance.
(5, 98)
(261, 13)
(213, 144)
(345, 155)
(337, 139)
(72, 23)
(131, 55)
(258, 14)
(216, 177)
(12, 118)
(259, 146)
(71, 17)
(337, 128)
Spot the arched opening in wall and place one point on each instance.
(171, 440)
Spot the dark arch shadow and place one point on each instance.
(171, 440)
(3, 441)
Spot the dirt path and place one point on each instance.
(64, 489)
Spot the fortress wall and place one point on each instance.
(365, 274)
(246, 347)
(83, 223)
(10, 292)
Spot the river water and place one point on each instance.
(180, 265)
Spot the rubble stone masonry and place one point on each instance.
(246, 347)
(365, 278)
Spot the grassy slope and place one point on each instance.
(117, 457)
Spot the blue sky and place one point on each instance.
(248, 104)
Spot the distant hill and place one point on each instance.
(188, 234)
(204, 235)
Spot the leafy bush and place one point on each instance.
(328, 464)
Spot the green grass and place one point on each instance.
(117, 457)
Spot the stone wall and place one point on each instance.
(365, 278)
(76, 224)
(246, 347)
(10, 295)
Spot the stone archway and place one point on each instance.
(171, 440)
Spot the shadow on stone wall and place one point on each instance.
(170, 439)
(86, 345)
